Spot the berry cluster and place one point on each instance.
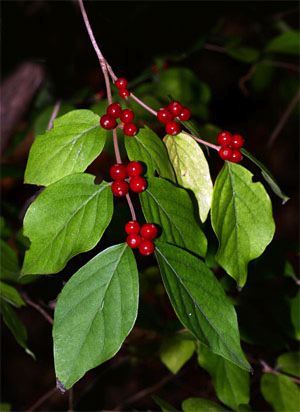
(230, 145)
(122, 84)
(113, 112)
(166, 115)
(119, 172)
(141, 237)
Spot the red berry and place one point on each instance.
(133, 241)
(164, 116)
(138, 184)
(108, 122)
(121, 83)
(149, 231)
(173, 128)
(124, 93)
(225, 152)
(185, 114)
(118, 171)
(114, 110)
(237, 141)
(130, 129)
(236, 156)
(134, 169)
(224, 138)
(119, 188)
(127, 116)
(132, 227)
(146, 247)
(175, 108)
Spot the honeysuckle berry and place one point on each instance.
(130, 129)
(164, 116)
(119, 188)
(224, 138)
(132, 227)
(134, 169)
(124, 93)
(127, 116)
(133, 241)
(225, 153)
(121, 83)
(108, 122)
(175, 108)
(138, 184)
(185, 114)
(173, 128)
(146, 247)
(236, 156)
(149, 231)
(114, 110)
(118, 171)
(237, 141)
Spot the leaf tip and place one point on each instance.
(60, 386)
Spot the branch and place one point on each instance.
(213, 146)
(268, 369)
(38, 308)
(41, 400)
(54, 114)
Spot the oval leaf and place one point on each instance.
(171, 208)
(200, 302)
(69, 147)
(281, 392)
(176, 351)
(241, 218)
(191, 169)
(67, 218)
(201, 405)
(289, 363)
(288, 43)
(95, 311)
(147, 147)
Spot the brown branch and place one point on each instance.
(268, 369)
(41, 400)
(70, 403)
(54, 113)
(38, 308)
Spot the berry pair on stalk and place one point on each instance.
(141, 237)
(113, 112)
(119, 172)
(230, 145)
(166, 115)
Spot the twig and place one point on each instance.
(41, 400)
(246, 78)
(284, 118)
(213, 146)
(54, 114)
(70, 404)
(268, 369)
(38, 308)
(130, 204)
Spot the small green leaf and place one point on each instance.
(175, 351)
(287, 43)
(15, 325)
(9, 266)
(200, 302)
(295, 314)
(164, 406)
(281, 392)
(243, 53)
(147, 147)
(191, 169)
(201, 405)
(172, 209)
(241, 218)
(289, 363)
(95, 311)
(69, 147)
(67, 218)
(11, 295)
(232, 384)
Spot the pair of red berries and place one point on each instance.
(114, 111)
(122, 84)
(119, 172)
(141, 237)
(230, 145)
(167, 114)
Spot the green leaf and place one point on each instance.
(9, 266)
(231, 383)
(41, 122)
(267, 176)
(171, 208)
(69, 147)
(164, 406)
(287, 43)
(191, 169)
(289, 363)
(95, 311)
(11, 295)
(201, 405)
(281, 392)
(175, 351)
(147, 147)
(15, 325)
(295, 314)
(68, 217)
(243, 53)
(241, 218)
(200, 302)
